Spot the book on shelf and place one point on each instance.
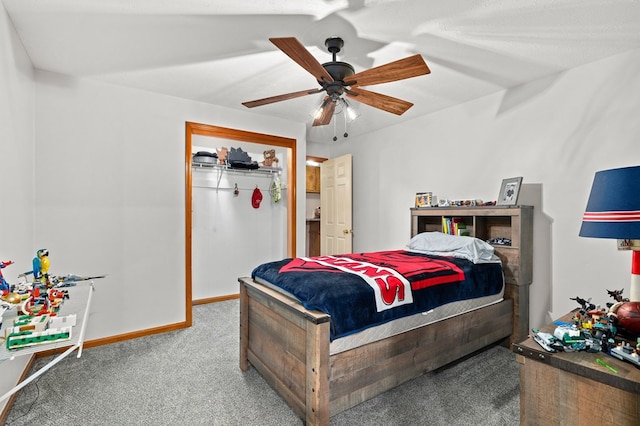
(454, 226)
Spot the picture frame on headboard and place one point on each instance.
(423, 199)
(509, 191)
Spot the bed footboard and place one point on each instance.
(289, 346)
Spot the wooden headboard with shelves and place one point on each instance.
(488, 223)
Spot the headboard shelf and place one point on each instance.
(488, 223)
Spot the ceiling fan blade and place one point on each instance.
(287, 96)
(296, 51)
(328, 107)
(412, 66)
(380, 101)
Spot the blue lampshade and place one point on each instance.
(613, 209)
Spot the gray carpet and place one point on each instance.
(192, 377)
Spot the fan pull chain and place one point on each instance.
(346, 135)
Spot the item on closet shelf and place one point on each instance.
(276, 189)
(270, 159)
(256, 198)
(239, 159)
(237, 154)
(205, 157)
(222, 154)
(243, 165)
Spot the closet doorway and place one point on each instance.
(195, 130)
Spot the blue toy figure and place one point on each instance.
(40, 265)
(5, 288)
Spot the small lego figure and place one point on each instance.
(617, 295)
(40, 265)
(5, 287)
(43, 254)
(586, 304)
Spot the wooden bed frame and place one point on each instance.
(289, 346)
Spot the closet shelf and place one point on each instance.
(224, 168)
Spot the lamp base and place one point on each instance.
(627, 315)
(634, 290)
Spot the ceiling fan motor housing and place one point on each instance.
(339, 71)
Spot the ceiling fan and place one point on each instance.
(337, 78)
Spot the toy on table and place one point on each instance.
(626, 352)
(586, 305)
(590, 329)
(40, 271)
(5, 287)
(38, 303)
(617, 296)
(625, 314)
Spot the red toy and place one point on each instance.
(628, 317)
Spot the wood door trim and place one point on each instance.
(243, 136)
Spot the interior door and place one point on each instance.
(335, 205)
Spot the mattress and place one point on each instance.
(362, 290)
(401, 325)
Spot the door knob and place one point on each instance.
(345, 231)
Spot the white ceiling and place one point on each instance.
(217, 51)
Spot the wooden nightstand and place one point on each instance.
(572, 388)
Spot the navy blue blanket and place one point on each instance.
(367, 289)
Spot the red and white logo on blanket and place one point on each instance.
(392, 275)
(390, 287)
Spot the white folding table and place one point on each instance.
(78, 303)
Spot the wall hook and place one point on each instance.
(236, 191)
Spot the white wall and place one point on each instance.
(16, 164)
(556, 133)
(318, 149)
(16, 150)
(110, 197)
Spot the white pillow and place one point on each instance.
(439, 244)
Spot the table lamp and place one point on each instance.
(613, 211)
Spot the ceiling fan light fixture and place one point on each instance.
(349, 111)
(317, 113)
